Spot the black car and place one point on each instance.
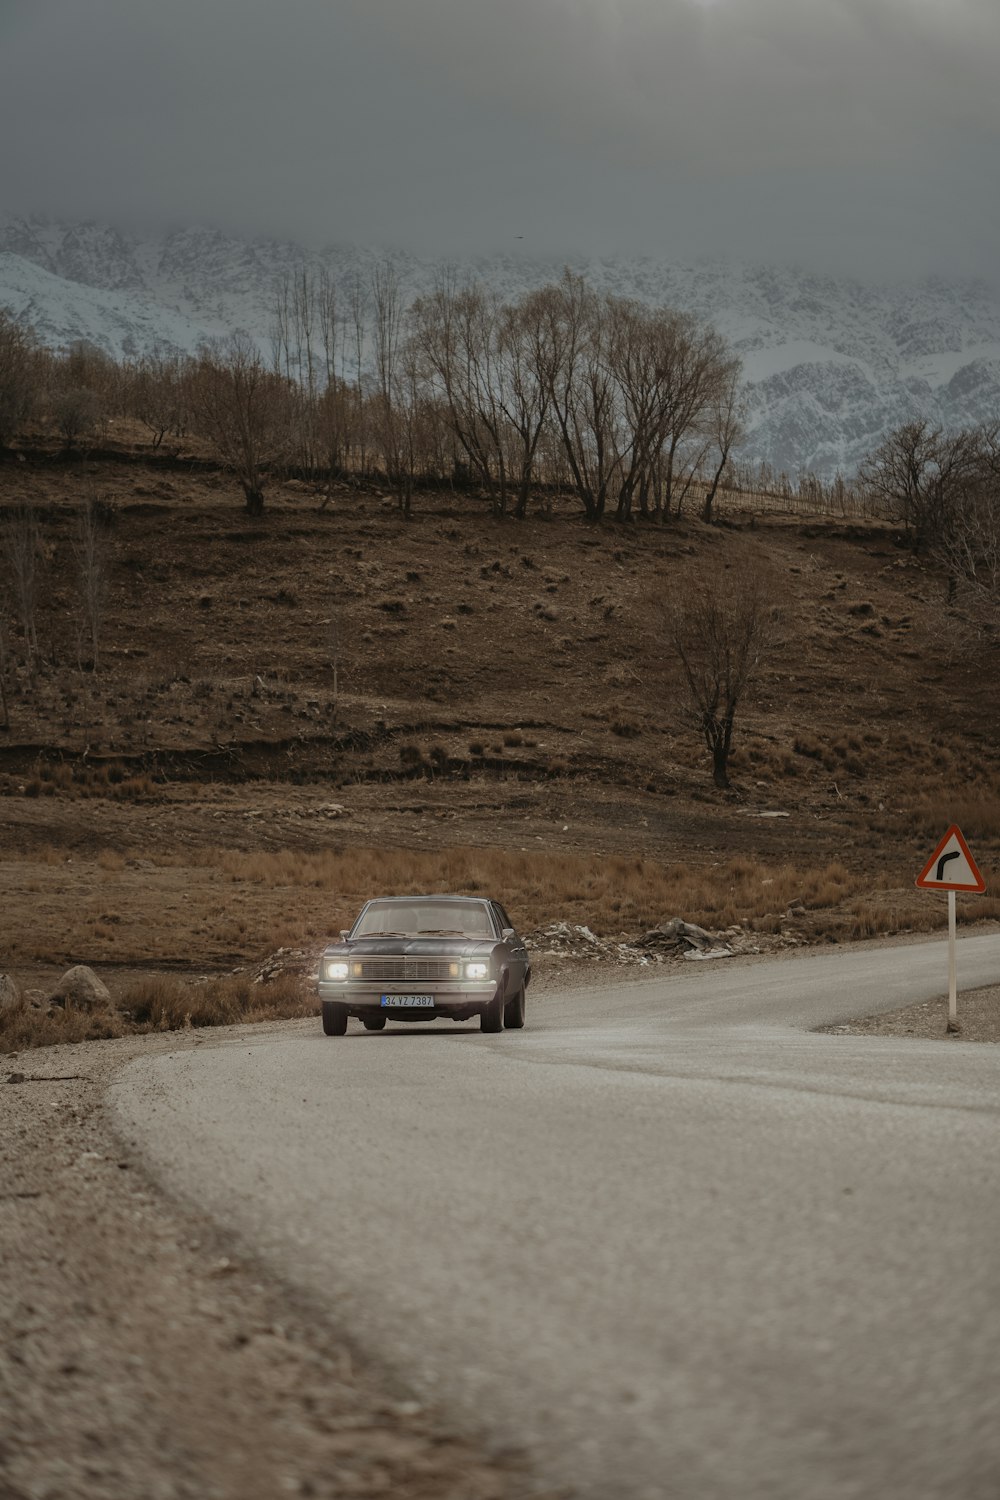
(416, 958)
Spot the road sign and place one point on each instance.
(951, 867)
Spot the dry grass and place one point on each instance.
(976, 810)
(612, 894)
(158, 1003)
(22, 1026)
(222, 906)
(164, 1004)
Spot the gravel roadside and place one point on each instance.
(978, 1019)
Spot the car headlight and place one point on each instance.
(336, 969)
(476, 971)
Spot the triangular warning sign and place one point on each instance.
(951, 867)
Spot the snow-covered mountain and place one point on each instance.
(831, 364)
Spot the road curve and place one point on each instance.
(667, 1239)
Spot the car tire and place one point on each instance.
(491, 1019)
(374, 1023)
(334, 1018)
(513, 1011)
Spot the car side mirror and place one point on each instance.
(344, 934)
(508, 933)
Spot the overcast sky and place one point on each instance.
(856, 135)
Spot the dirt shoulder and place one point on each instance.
(978, 1019)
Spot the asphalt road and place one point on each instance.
(666, 1239)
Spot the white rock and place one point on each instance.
(80, 986)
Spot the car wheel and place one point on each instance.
(491, 1019)
(513, 1011)
(334, 1018)
(374, 1023)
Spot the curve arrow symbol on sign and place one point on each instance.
(951, 867)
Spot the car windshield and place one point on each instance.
(424, 919)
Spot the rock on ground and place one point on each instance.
(81, 987)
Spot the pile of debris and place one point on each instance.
(287, 961)
(569, 940)
(674, 938)
(685, 938)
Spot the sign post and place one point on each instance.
(952, 868)
(952, 967)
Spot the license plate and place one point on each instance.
(408, 1000)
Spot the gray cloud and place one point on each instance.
(859, 134)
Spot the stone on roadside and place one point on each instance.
(81, 987)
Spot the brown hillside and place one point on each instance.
(504, 687)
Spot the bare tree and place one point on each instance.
(696, 365)
(969, 546)
(360, 310)
(246, 410)
(727, 428)
(917, 475)
(85, 387)
(90, 553)
(634, 360)
(18, 378)
(720, 629)
(155, 393)
(524, 394)
(457, 331)
(572, 352)
(77, 412)
(398, 380)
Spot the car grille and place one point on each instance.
(406, 968)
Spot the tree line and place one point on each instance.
(623, 405)
(633, 410)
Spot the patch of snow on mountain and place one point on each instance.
(123, 325)
(761, 364)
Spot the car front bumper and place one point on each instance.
(457, 1001)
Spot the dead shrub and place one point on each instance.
(22, 1026)
(161, 1003)
(810, 748)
